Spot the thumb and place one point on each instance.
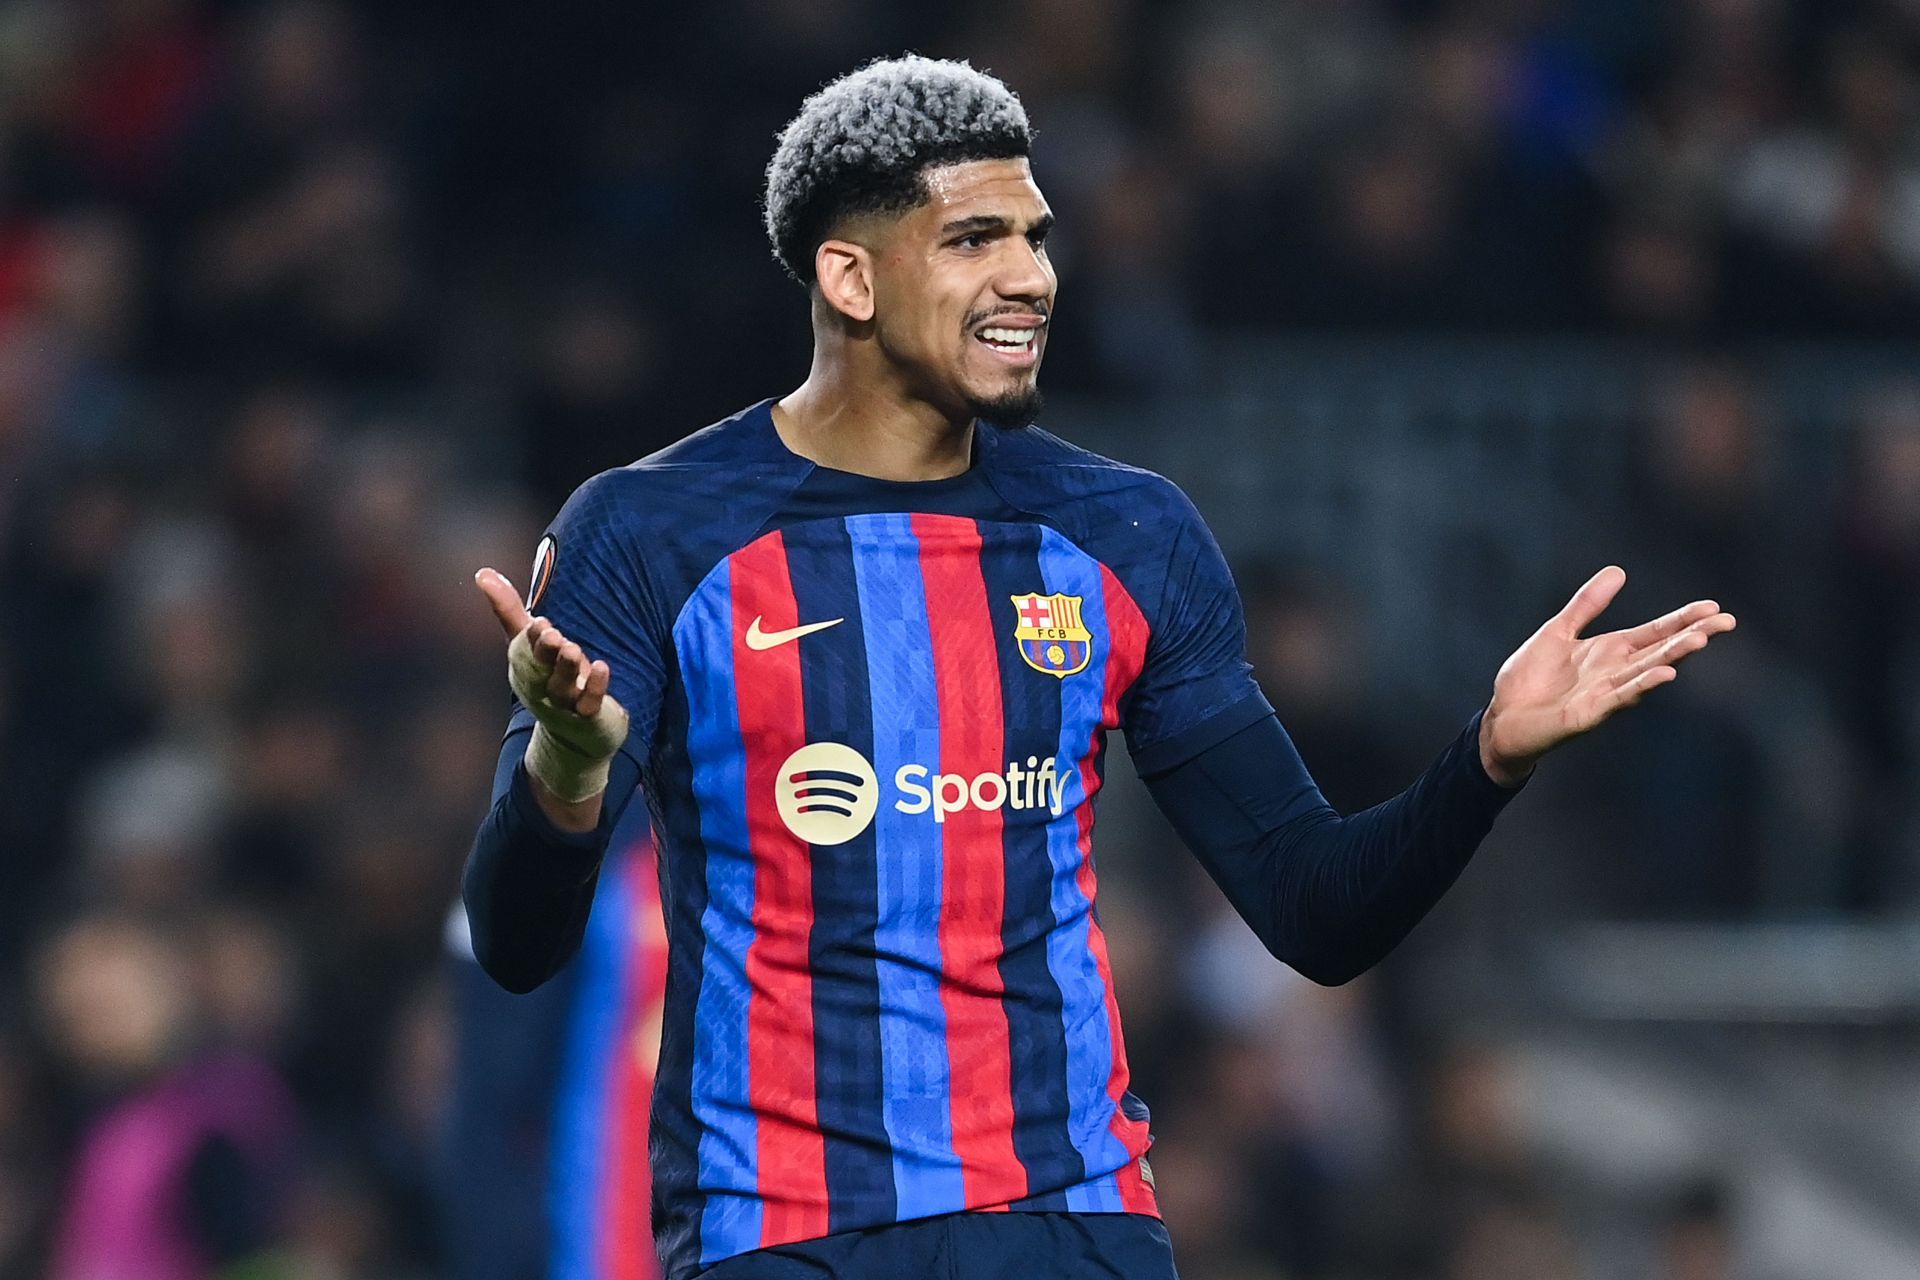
(505, 600)
(1590, 601)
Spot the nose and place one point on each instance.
(1025, 275)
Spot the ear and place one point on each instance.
(844, 272)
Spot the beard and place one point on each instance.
(1010, 411)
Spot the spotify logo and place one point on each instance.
(827, 793)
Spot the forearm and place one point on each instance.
(575, 817)
(1329, 895)
(529, 882)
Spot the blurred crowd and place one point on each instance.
(309, 308)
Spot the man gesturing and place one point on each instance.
(864, 645)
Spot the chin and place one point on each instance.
(1009, 410)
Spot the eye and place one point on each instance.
(973, 240)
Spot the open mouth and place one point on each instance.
(1018, 344)
(1009, 339)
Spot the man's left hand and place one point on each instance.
(1559, 684)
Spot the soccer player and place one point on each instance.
(864, 644)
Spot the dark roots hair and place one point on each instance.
(862, 145)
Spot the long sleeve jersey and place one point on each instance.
(870, 721)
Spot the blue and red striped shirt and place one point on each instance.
(870, 719)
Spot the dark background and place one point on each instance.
(309, 309)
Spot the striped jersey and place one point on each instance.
(870, 720)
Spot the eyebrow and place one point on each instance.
(993, 222)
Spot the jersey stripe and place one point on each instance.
(845, 888)
(1041, 1104)
(780, 1040)
(973, 873)
(675, 1131)
(916, 1093)
(1126, 628)
(1085, 989)
(730, 1220)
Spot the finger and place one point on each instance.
(547, 641)
(599, 676)
(1662, 627)
(569, 675)
(1717, 624)
(1590, 601)
(504, 599)
(1639, 687)
(1674, 650)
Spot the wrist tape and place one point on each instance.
(569, 753)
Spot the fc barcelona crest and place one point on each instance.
(1052, 638)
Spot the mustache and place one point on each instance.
(1041, 309)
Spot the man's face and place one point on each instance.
(963, 290)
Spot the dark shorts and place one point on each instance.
(972, 1246)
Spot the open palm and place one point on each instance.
(1560, 684)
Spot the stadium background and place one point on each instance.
(309, 308)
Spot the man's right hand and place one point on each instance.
(578, 726)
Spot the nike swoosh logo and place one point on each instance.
(758, 639)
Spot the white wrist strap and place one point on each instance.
(567, 773)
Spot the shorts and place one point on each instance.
(971, 1246)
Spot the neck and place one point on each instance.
(864, 421)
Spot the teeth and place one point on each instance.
(1009, 337)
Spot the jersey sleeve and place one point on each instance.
(1196, 687)
(589, 581)
(1329, 895)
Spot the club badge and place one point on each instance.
(1051, 635)
(542, 574)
